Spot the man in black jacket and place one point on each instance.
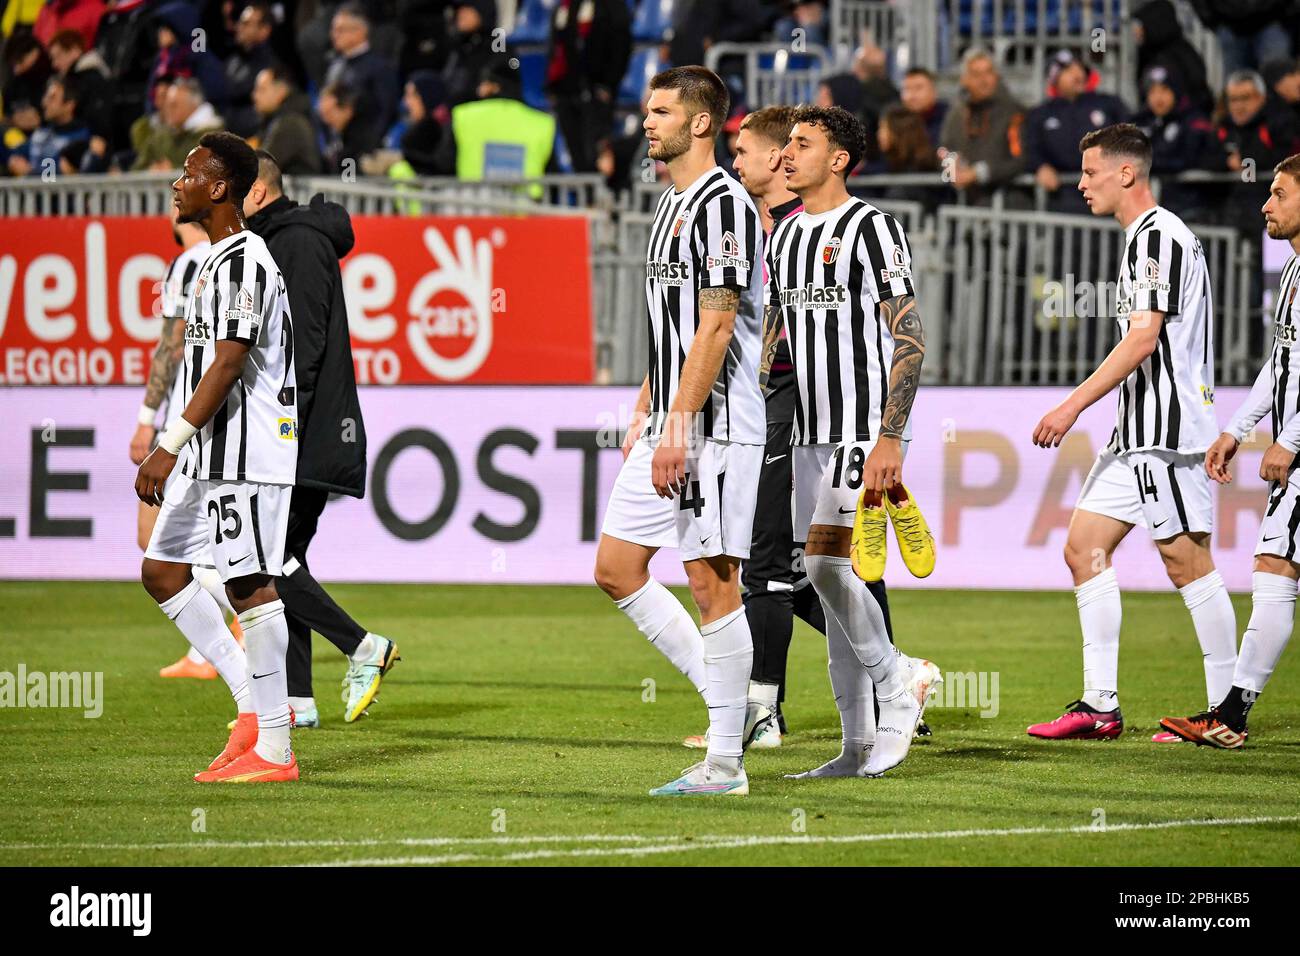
(307, 243)
(591, 43)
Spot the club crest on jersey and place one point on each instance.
(901, 270)
(287, 428)
(677, 226)
(831, 251)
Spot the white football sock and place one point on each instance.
(843, 595)
(199, 618)
(1099, 619)
(211, 582)
(266, 639)
(764, 694)
(194, 655)
(1216, 628)
(852, 687)
(669, 627)
(728, 659)
(1272, 616)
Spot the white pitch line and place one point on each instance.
(723, 843)
(344, 844)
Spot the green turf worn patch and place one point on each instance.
(525, 725)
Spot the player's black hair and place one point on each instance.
(1121, 139)
(842, 128)
(700, 90)
(236, 159)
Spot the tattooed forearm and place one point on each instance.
(166, 357)
(722, 299)
(771, 335)
(904, 322)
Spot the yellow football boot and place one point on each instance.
(915, 542)
(867, 545)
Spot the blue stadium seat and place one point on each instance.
(645, 64)
(532, 22)
(652, 20)
(1108, 10)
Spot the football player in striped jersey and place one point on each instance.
(1276, 393)
(1151, 473)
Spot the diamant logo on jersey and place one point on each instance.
(287, 428)
(815, 297)
(831, 251)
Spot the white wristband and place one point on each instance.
(146, 415)
(177, 434)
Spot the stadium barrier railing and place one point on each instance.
(774, 72)
(1003, 290)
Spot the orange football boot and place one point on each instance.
(187, 668)
(237, 630)
(243, 735)
(250, 768)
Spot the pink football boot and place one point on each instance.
(1080, 722)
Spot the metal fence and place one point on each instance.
(1008, 296)
(774, 72)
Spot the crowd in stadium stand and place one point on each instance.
(425, 87)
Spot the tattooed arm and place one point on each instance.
(717, 310)
(884, 466)
(162, 371)
(772, 321)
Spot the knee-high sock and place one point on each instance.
(199, 618)
(670, 628)
(266, 638)
(1272, 616)
(854, 697)
(728, 658)
(1099, 619)
(1216, 629)
(211, 582)
(310, 603)
(845, 598)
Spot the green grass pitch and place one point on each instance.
(515, 731)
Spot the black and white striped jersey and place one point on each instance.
(239, 295)
(180, 278)
(829, 273)
(1276, 391)
(706, 236)
(1167, 401)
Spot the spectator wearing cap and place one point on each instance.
(1180, 136)
(1161, 42)
(349, 133)
(39, 155)
(980, 145)
(185, 116)
(1282, 77)
(1250, 32)
(251, 55)
(175, 24)
(70, 57)
(1054, 127)
(426, 116)
(591, 44)
(471, 49)
(920, 95)
(498, 135)
(285, 129)
(371, 78)
(79, 15)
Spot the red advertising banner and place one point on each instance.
(430, 299)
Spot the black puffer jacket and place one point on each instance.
(1164, 44)
(307, 243)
